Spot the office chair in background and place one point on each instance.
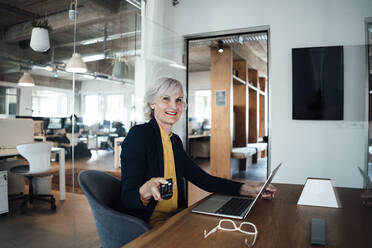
(115, 229)
(68, 147)
(38, 157)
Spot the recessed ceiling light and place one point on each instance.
(220, 46)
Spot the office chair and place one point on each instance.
(103, 192)
(68, 147)
(38, 157)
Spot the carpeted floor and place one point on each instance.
(69, 188)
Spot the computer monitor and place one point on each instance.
(79, 120)
(106, 124)
(67, 122)
(55, 123)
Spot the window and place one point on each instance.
(91, 111)
(50, 103)
(132, 116)
(9, 100)
(104, 107)
(115, 108)
(203, 105)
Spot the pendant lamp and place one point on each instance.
(73, 13)
(118, 71)
(26, 80)
(40, 39)
(76, 64)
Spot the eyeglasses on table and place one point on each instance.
(230, 226)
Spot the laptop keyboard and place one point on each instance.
(235, 206)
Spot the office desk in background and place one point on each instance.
(280, 223)
(198, 136)
(199, 145)
(61, 154)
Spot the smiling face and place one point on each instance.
(167, 110)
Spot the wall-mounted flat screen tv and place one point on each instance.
(318, 83)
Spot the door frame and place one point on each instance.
(224, 33)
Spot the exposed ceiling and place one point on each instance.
(250, 47)
(105, 29)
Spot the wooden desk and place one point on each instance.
(61, 152)
(280, 223)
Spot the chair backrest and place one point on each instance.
(114, 228)
(37, 155)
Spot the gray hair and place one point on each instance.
(163, 86)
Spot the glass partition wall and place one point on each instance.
(135, 49)
(369, 49)
(228, 137)
(85, 114)
(42, 110)
(104, 102)
(35, 105)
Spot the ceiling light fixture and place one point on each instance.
(48, 68)
(76, 64)
(175, 65)
(220, 46)
(241, 40)
(134, 3)
(26, 80)
(93, 57)
(72, 12)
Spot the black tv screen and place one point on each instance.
(318, 83)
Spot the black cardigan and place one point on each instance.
(142, 158)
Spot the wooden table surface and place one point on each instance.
(280, 223)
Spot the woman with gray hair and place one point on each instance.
(151, 153)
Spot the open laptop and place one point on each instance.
(366, 178)
(235, 207)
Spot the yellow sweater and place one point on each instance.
(164, 208)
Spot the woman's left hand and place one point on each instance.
(253, 188)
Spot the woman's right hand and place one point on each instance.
(151, 188)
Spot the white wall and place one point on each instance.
(330, 149)
(197, 81)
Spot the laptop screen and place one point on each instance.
(268, 181)
(219, 205)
